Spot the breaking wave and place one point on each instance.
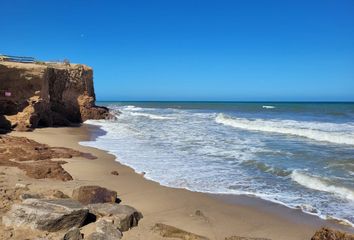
(320, 184)
(151, 116)
(268, 107)
(328, 132)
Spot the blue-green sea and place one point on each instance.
(297, 154)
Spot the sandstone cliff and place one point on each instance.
(46, 94)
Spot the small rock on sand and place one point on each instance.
(115, 173)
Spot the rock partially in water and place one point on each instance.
(331, 234)
(173, 232)
(122, 216)
(48, 215)
(94, 194)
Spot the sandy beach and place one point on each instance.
(213, 216)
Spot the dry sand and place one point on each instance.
(219, 216)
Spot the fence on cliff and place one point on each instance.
(17, 59)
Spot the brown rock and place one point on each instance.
(115, 173)
(46, 169)
(94, 194)
(330, 234)
(15, 151)
(173, 232)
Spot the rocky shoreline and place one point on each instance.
(50, 189)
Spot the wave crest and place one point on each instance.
(327, 132)
(320, 184)
(151, 116)
(268, 107)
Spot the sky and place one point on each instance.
(192, 50)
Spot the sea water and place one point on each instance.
(297, 154)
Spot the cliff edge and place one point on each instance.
(46, 94)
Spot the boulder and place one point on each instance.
(330, 234)
(105, 231)
(122, 216)
(73, 234)
(48, 215)
(94, 194)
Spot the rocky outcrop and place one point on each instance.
(330, 234)
(17, 151)
(94, 194)
(122, 217)
(39, 95)
(47, 215)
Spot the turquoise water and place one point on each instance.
(297, 154)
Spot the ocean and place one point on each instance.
(298, 154)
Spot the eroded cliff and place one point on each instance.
(46, 94)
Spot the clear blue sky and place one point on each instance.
(193, 50)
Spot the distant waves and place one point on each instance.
(319, 131)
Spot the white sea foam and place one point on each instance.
(132, 108)
(151, 116)
(319, 131)
(320, 184)
(268, 107)
(196, 152)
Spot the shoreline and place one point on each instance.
(242, 199)
(223, 215)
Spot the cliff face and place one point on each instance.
(45, 95)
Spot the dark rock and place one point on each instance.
(330, 234)
(115, 173)
(5, 125)
(47, 215)
(94, 194)
(122, 216)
